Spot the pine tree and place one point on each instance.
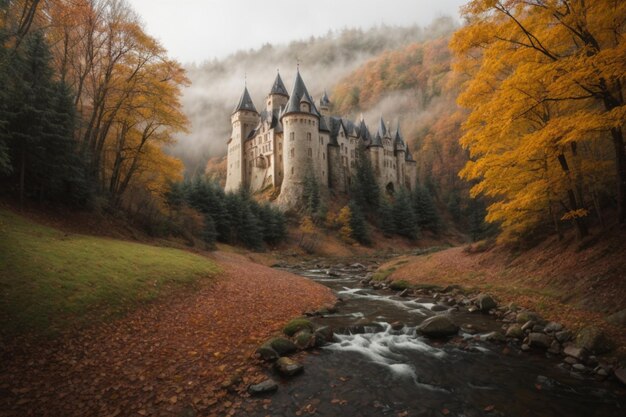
(358, 226)
(365, 191)
(311, 192)
(425, 211)
(404, 215)
(385, 219)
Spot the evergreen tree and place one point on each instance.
(386, 220)
(425, 211)
(404, 215)
(364, 190)
(37, 123)
(454, 205)
(475, 215)
(358, 226)
(311, 192)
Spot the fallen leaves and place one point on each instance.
(164, 357)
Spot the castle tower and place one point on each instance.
(401, 154)
(243, 119)
(302, 143)
(325, 105)
(278, 95)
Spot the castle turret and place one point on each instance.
(278, 95)
(325, 105)
(302, 154)
(243, 119)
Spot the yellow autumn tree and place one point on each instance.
(543, 81)
(343, 220)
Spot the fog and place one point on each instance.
(324, 61)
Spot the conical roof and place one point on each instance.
(399, 141)
(298, 94)
(325, 101)
(245, 102)
(279, 87)
(382, 129)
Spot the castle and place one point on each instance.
(290, 139)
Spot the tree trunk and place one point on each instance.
(620, 166)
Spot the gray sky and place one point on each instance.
(197, 30)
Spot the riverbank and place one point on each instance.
(576, 286)
(168, 355)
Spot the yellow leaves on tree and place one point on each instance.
(543, 81)
(343, 220)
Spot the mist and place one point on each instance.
(217, 85)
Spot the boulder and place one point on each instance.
(294, 326)
(304, 339)
(563, 336)
(555, 348)
(439, 307)
(515, 331)
(593, 339)
(438, 326)
(282, 346)
(528, 325)
(575, 352)
(323, 335)
(267, 353)
(485, 302)
(579, 367)
(269, 385)
(526, 316)
(553, 327)
(287, 367)
(397, 325)
(495, 337)
(539, 340)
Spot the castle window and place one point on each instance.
(292, 152)
(292, 171)
(308, 137)
(324, 155)
(310, 153)
(292, 136)
(280, 146)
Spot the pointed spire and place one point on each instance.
(245, 102)
(279, 87)
(382, 129)
(325, 101)
(298, 94)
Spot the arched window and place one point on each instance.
(308, 137)
(310, 153)
(292, 136)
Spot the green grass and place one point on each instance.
(50, 281)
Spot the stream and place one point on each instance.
(372, 370)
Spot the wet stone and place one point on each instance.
(539, 340)
(269, 385)
(575, 352)
(288, 367)
(553, 327)
(438, 326)
(563, 336)
(485, 302)
(515, 331)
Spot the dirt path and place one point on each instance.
(169, 358)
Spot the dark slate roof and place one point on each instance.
(399, 141)
(377, 140)
(408, 156)
(298, 94)
(323, 125)
(364, 133)
(245, 102)
(382, 129)
(325, 101)
(348, 125)
(279, 87)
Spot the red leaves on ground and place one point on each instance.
(185, 352)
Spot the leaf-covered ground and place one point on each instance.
(172, 357)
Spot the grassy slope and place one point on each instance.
(50, 280)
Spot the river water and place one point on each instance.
(372, 370)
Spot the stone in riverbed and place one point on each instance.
(294, 326)
(485, 302)
(526, 316)
(266, 352)
(287, 367)
(515, 331)
(563, 336)
(575, 352)
(438, 326)
(620, 374)
(304, 339)
(553, 327)
(269, 385)
(555, 348)
(282, 346)
(579, 367)
(397, 325)
(495, 337)
(323, 335)
(528, 325)
(539, 340)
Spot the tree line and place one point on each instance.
(89, 101)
